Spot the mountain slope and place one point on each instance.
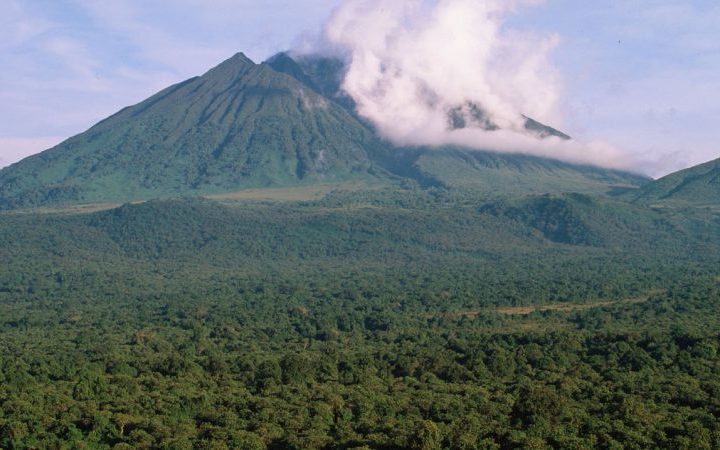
(239, 125)
(698, 185)
(278, 124)
(503, 174)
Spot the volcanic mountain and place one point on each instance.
(281, 123)
(240, 125)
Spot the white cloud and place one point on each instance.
(412, 61)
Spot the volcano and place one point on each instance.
(281, 123)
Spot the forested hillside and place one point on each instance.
(422, 319)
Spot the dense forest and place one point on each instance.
(414, 319)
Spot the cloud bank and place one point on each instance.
(411, 62)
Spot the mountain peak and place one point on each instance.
(281, 58)
(239, 58)
(235, 65)
(284, 63)
(240, 125)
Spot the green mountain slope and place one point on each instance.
(514, 174)
(278, 124)
(239, 125)
(699, 185)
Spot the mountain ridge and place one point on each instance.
(699, 184)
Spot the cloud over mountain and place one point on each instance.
(412, 63)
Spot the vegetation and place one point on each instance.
(375, 319)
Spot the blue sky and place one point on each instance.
(640, 75)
